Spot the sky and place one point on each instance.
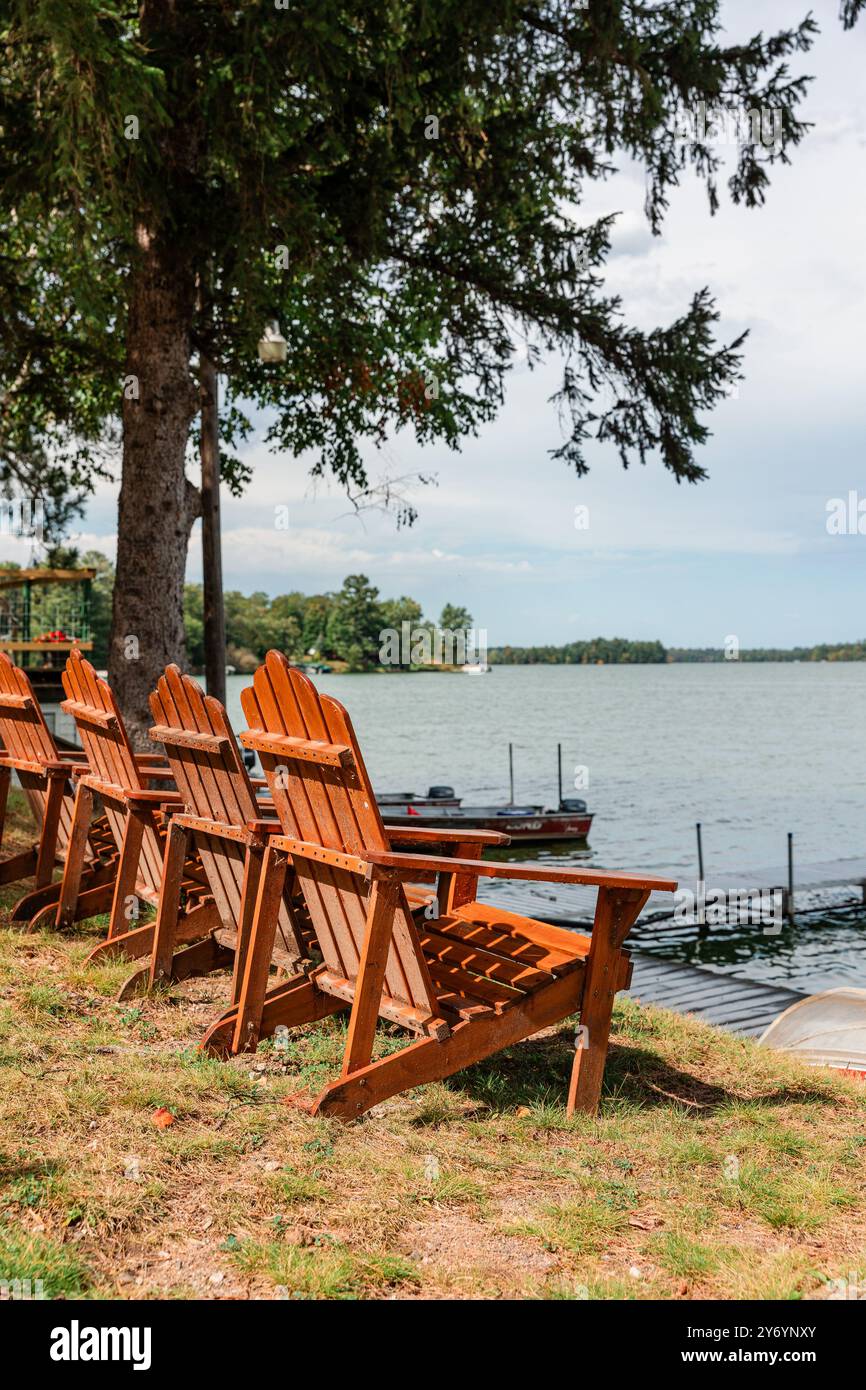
(746, 553)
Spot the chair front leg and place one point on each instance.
(5, 779)
(127, 869)
(616, 912)
(75, 852)
(259, 950)
(165, 931)
(253, 861)
(47, 855)
(384, 899)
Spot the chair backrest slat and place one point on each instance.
(331, 804)
(23, 729)
(29, 743)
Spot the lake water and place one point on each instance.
(751, 750)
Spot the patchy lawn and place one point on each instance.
(132, 1167)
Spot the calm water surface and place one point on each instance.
(750, 750)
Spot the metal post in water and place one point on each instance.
(700, 916)
(511, 774)
(559, 772)
(789, 906)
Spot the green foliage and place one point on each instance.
(610, 650)
(390, 181)
(346, 626)
(455, 619)
(355, 622)
(620, 651)
(823, 651)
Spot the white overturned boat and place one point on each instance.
(825, 1030)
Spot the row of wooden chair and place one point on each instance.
(296, 886)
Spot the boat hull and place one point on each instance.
(535, 827)
(824, 1030)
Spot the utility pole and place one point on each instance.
(212, 563)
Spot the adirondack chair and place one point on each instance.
(221, 816)
(135, 812)
(29, 750)
(229, 826)
(472, 981)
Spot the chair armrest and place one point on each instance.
(152, 798)
(538, 873)
(264, 827)
(156, 774)
(430, 836)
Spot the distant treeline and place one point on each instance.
(825, 651)
(619, 651)
(347, 627)
(613, 651)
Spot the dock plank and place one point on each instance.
(741, 1006)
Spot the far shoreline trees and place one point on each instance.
(346, 628)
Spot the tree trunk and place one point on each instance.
(157, 503)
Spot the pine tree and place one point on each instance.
(391, 181)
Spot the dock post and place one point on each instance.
(511, 774)
(701, 912)
(559, 772)
(788, 906)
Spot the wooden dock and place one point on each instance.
(745, 1007)
(574, 905)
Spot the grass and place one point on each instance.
(715, 1169)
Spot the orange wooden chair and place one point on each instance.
(472, 981)
(229, 826)
(221, 816)
(29, 750)
(135, 812)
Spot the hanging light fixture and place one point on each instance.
(272, 345)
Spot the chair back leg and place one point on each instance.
(616, 912)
